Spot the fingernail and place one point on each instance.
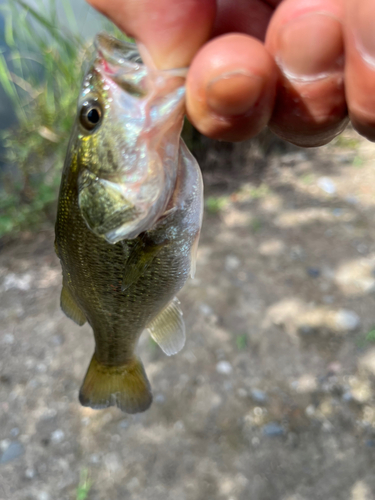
(311, 46)
(233, 93)
(364, 30)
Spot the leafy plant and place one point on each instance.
(84, 486)
(41, 75)
(216, 204)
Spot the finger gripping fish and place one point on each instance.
(128, 220)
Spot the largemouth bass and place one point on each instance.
(128, 221)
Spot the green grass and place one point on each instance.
(84, 486)
(370, 337)
(215, 204)
(346, 142)
(41, 75)
(241, 342)
(358, 162)
(256, 225)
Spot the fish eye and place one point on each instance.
(91, 115)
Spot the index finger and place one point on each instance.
(171, 31)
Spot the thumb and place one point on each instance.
(171, 31)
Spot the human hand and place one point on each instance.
(298, 66)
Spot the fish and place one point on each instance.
(128, 220)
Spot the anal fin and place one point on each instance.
(168, 328)
(126, 387)
(70, 307)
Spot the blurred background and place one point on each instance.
(272, 397)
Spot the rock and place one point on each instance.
(258, 396)
(8, 338)
(360, 390)
(273, 429)
(57, 436)
(347, 320)
(95, 458)
(205, 309)
(356, 277)
(366, 363)
(14, 451)
(314, 272)
(232, 262)
(30, 473)
(112, 462)
(43, 495)
(22, 282)
(242, 393)
(159, 398)
(224, 367)
(327, 185)
(272, 247)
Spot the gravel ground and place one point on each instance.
(272, 397)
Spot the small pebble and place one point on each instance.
(273, 430)
(353, 200)
(314, 272)
(347, 396)
(224, 367)
(258, 396)
(57, 340)
(337, 212)
(241, 392)
(124, 424)
(205, 309)
(95, 458)
(29, 473)
(310, 410)
(327, 185)
(43, 495)
(232, 262)
(57, 436)
(14, 432)
(4, 444)
(14, 450)
(347, 320)
(8, 338)
(159, 398)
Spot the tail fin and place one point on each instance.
(124, 386)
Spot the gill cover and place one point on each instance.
(130, 119)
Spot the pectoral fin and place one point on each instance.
(70, 307)
(139, 260)
(168, 328)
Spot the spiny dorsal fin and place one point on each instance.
(70, 307)
(168, 328)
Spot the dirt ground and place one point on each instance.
(272, 397)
